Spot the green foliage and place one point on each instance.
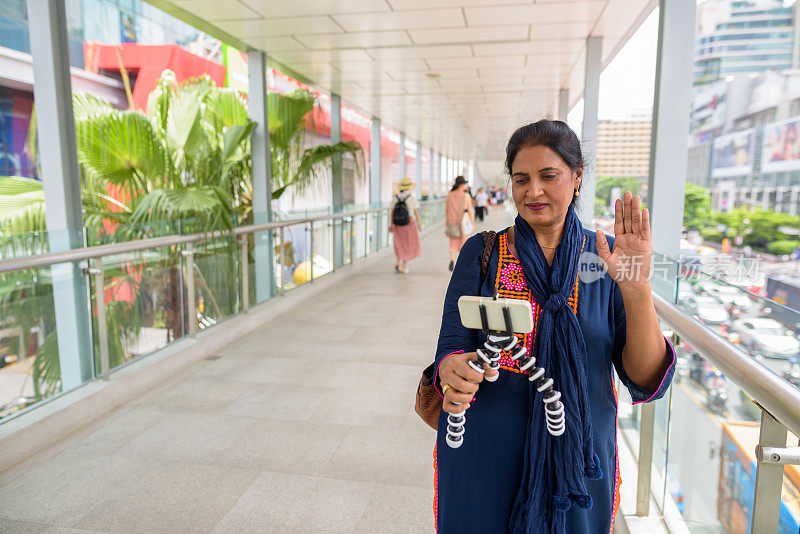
(294, 165)
(696, 206)
(758, 227)
(21, 205)
(783, 246)
(605, 184)
(182, 167)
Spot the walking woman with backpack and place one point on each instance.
(405, 227)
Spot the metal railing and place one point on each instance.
(777, 399)
(340, 225)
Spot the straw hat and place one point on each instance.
(406, 184)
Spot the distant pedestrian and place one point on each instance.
(405, 226)
(460, 217)
(481, 200)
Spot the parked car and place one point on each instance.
(729, 295)
(707, 309)
(766, 337)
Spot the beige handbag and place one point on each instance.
(453, 231)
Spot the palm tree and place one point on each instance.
(182, 167)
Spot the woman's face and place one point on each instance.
(542, 185)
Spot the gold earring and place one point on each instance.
(577, 193)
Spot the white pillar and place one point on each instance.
(402, 156)
(337, 194)
(670, 137)
(336, 137)
(375, 162)
(563, 104)
(591, 94)
(62, 186)
(262, 171)
(418, 170)
(432, 189)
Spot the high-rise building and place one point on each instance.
(744, 36)
(623, 147)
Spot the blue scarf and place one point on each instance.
(555, 468)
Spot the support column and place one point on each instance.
(433, 190)
(375, 163)
(262, 172)
(591, 94)
(62, 186)
(563, 104)
(336, 137)
(336, 180)
(402, 156)
(418, 170)
(669, 143)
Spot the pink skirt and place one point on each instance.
(406, 242)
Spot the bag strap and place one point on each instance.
(488, 245)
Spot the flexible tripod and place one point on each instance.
(497, 342)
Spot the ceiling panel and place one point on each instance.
(533, 14)
(297, 8)
(276, 27)
(574, 30)
(442, 64)
(471, 35)
(423, 4)
(327, 56)
(458, 75)
(410, 52)
(402, 20)
(232, 9)
(276, 44)
(353, 40)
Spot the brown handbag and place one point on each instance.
(428, 403)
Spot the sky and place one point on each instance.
(626, 84)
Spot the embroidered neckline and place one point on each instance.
(510, 283)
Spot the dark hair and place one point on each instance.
(555, 135)
(459, 181)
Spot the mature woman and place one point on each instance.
(510, 474)
(407, 245)
(457, 203)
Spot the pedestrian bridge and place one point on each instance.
(296, 415)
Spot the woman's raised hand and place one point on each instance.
(462, 379)
(630, 262)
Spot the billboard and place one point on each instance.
(733, 154)
(781, 148)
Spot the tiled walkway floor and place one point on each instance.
(305, 426)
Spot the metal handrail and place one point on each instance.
(86, 253)
(770, 391)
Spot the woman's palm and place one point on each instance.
(630, 261)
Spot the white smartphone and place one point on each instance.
(520, 311)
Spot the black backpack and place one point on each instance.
(400, 215)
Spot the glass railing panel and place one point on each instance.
(145, 303)
(702, 423)
(323, 247)
(373, 241)
(342, 229)
(628, 419)
(29, 357)
(360, 236)
(296, 250)
(216, 271)
(387, 237)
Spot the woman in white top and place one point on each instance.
(405, 226)
(480, 203)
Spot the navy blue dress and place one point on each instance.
(477, 483)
